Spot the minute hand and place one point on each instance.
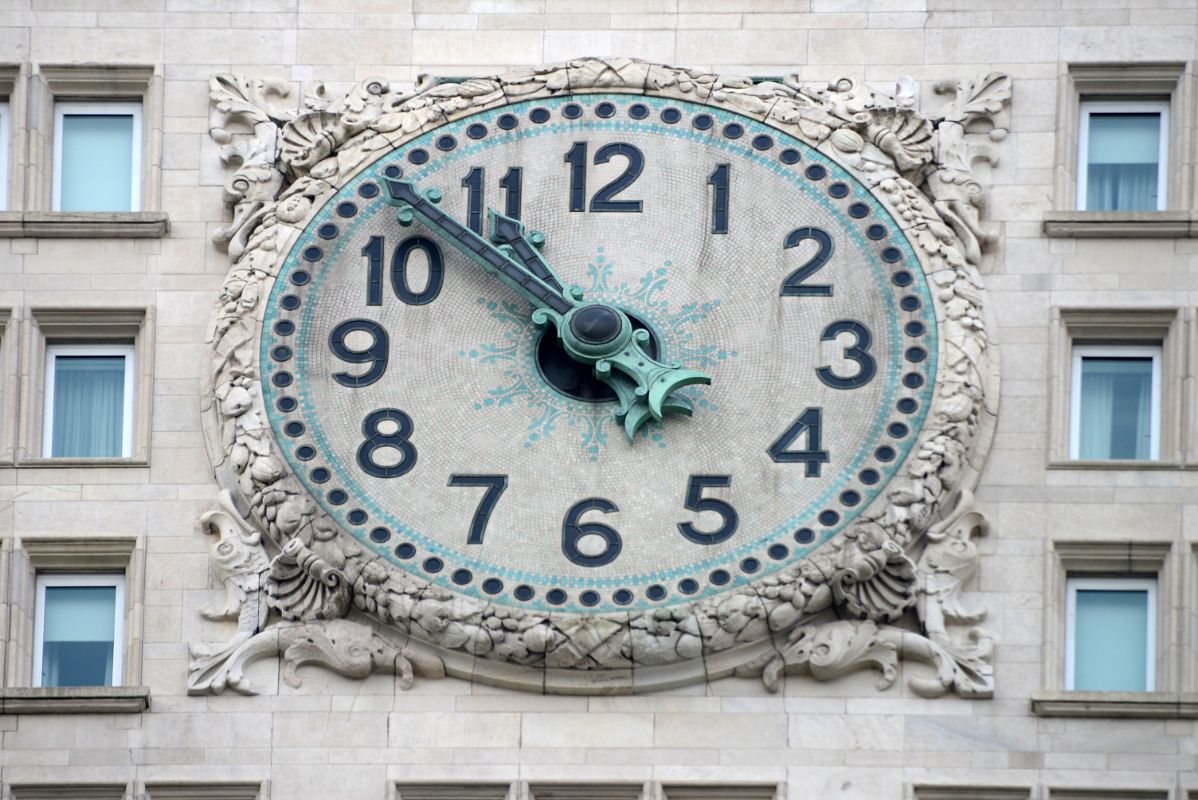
(520, 279)
(596, 334)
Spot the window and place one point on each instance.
(79, 630)
(727, 792)
(1116, 389)
(5, 134)
(97, 157)
(69, 791)
(970, 792)
(1121, 129)
(89, 401)
(587, 791)
(452, 791)
(1122, 155)
(84, 646)
(1115, 402)
(86, 384)
(1110, 634)
(203, 791)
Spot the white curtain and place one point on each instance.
(1123, 162)
(1116, 408)
(89, 406)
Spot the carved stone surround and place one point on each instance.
(889, 589)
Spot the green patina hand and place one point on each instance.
(596, 334)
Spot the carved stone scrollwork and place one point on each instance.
(890, 588)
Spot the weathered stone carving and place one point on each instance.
(889, 588)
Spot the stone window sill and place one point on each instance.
(1121, 224)
(80, 225)
(1113, 464)
(65, 463)
(1116, 705)
(75, 700)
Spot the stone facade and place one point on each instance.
(333, 736)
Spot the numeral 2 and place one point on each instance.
(793, 286)
(604, 200)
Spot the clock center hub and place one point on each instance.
(576, 380)
(596, 324)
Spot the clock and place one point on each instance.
(603, 376)
(598, 353)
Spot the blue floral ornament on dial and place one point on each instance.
(599, 353)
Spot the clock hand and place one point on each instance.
(511, 232)
(526, 283)
(591, 333)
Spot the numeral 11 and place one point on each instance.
(474, 183)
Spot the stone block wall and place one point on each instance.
(843, 740)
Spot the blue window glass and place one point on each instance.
(1111, 640)
(1123, 162)
(96, 168)
(89, 406)
(1116, 414)
(78, 635)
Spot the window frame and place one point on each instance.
(114, 108)
(1130, 583)
(5, 147)
(53, 351)
(1080, 351)
(1087, 106)
(50, 579)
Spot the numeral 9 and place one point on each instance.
(375, 354)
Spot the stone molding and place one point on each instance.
(80, 225)
(889, 588)
(1116, 705)
(68, 791)
(75, 700)
(971, 791)
(246, 790)
(10, 382)
(1121, 224)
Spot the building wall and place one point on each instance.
(337, 737)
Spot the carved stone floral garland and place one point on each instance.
(887, 589)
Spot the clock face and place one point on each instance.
(450, 434)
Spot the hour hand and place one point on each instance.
(523, 280)
(510, 232)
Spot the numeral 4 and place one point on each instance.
(809, 423)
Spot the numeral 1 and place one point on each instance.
(719, 199)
